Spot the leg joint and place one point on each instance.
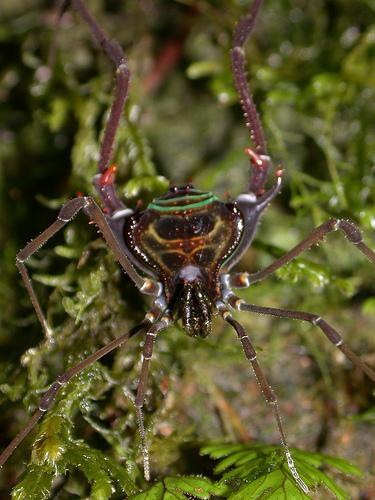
(352, 232)
(61, 380)
(63, 219)
(316, 320)
(123, 68)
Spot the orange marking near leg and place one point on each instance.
(254, 157)
(108, 176)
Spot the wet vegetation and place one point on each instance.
(312, 76)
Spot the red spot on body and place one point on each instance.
(255, 159)
(108, 176)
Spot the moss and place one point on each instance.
(307, 68)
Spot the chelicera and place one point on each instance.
(181, 248)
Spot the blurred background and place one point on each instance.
(311, 69)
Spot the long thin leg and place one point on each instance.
(332, 334)
(49, 396)
(349, 228)
(259, 158)
(142, 385)
(66, 214)
(267, 390)
(104, 181)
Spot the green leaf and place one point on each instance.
(52, 203)
(218, 451)
(255, 471)
(156, 492)
(100, 471)
(94, 466)
(232, 459)
(50, 443)
(295, 270)
(202, 69)
(179, 488)
(317, 459)
(320, 478)
(61, 281)
(311, 89)
(137, 148)
(357, 64)
(155, 184)
(318, 275)
(272, 486)
(59, 110)
(90, 288)
(368, 307)
(67, 252)
(367, 416)
(36, 484)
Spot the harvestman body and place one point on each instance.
(181, 248)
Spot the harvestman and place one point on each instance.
(181, 248)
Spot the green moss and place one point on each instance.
(310, 72)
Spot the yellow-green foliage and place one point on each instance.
(310, 70)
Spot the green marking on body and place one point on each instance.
(185, 197)
(181, 208)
